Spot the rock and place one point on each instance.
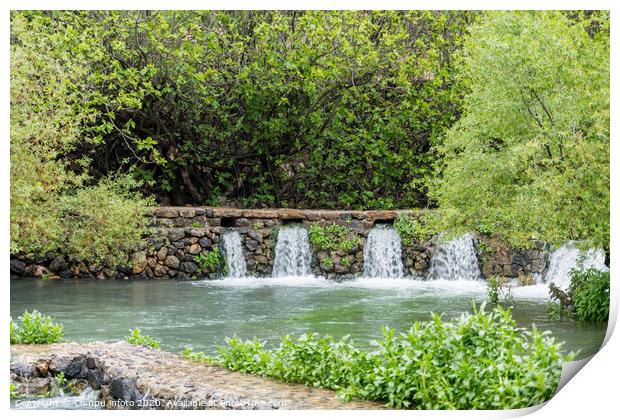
(159, 271)
(36, 386)
(138, 262)
(205, 243)
(251, 244)
(197, 233)
(188, 267)
(187, 213)
(380, 215)
(38, 271)
(226, 212)
(96, 378)
(125, 390)
(166, 212)
(75, 368)
(162, 253)
(172, 262)
(77, 386)
(260, 214)
(17, 266)
(290, 214)
(59, 264)
(257, 236)
(42, 367)
(176, 234)
(23, 370)
(195, 249)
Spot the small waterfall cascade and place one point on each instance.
(383, 257)
(569, 256)
(233, 253)
(455, 260)
(293, 252)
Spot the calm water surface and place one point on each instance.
(200, 314)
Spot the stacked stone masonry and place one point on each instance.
(180, 234)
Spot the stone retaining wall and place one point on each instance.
(182, 237)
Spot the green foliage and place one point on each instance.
(60, 379)
(333, 238)
(211, 262)
(197, 224)
(13, 332)
(412, 229)
(589, 292)
(36, 328)
(55, 205)
(556, 311)
(499, 291)
(529, 157)
(200, 356)
(478, 361)
(13, 391)
(283, 108)
(138, 339)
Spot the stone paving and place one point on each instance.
(160, 379)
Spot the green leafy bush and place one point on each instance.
(333, 238)
(138, 339)
(589, 292)
(413, 229)
(56, 206)
(211, 262)
(36, 328)
(200, 356)
(478, 361)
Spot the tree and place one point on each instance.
(309, 109)
(529, 157)
(53, 208)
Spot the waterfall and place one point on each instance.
(293, 252)
(455, 260)
(569, 256)
(233, 252)
(383, 253)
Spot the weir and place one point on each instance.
(233, 253)
(293, 252)
(455, 260)
(383, 253)
(568, 257)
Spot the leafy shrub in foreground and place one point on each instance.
(589, 291)
(138, 339)
(479, 360)
(35, 328)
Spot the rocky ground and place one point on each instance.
(139, 377)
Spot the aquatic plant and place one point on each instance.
(589, 292)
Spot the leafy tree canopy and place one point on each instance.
(529, 157)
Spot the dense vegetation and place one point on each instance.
(587, 299)
(477, 361)
(529, 158)
(500, 119)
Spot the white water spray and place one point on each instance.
(233, 252)
(569, 256)
(293, 252)
(383, 253)
(455, 260)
